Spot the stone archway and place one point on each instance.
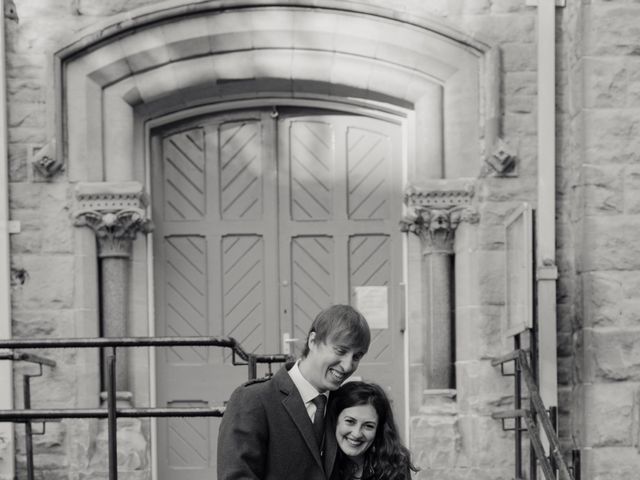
(183, 59)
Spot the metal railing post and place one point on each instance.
(518, 405)
(111, 416)
(26, 389)
(252, 361)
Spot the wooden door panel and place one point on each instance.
(369, 174)
(188, 441)
(184, 176)
(369, 262)
(312, 280)
(312, 170)
(185, 301)
(243, 280)
(240, 165)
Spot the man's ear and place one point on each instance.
(311, 340)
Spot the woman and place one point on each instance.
(369, 447)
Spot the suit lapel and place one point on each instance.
(330, 448)
(292, 403)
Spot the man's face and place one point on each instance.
(329, 363)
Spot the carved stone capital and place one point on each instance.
(438, 212)
(115, 212)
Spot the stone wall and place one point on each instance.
(453, 436)
(603, 82)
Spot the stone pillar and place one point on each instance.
(439, 206)
(115, 212)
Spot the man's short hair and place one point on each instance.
(340, 323)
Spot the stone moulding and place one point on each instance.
(440, 193)
(175, 56)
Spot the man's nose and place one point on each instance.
(347, 363)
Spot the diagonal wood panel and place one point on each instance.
(369, 265)
(312, 169)
(243, 290)
(312, 279)
(240, 164)
(184, 175)
(368, 163)
(188, 445)
(185, 297)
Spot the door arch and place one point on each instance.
(261, 221)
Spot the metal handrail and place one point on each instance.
(112, 412)
(530, 415)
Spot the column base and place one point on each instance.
(124, 399)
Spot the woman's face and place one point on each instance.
(356, 429)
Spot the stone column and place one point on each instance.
(115, 212)
(439, 206)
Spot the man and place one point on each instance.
(273, 429)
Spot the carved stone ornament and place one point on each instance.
(115, 212)
(502, 160)
(438, 212)
(45, 161)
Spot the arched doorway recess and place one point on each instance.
(177, 61)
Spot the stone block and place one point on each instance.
(511, 28)
(27, 135)
(351, 72)
(605, 83)
(155, 84)
(611, 30)
(519, 124)
(607, 246)
(610, 414)
(520, 92)
(611, 354)
(519, 57)
(485, 445)
(507, 6)
(227, 32)
(479, 333)
(611, 136)
(98, 8)
(186, 39)
(314, 66)
(479, 278)
(40, 324)
(633, 83)
(610, 299)
(49, 282)
(26, 114)
(610, 463)
(482, 389)
(631, 194)
(436, 440)
(602, 186)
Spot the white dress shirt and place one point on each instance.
(307, 391)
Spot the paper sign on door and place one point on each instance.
(373, 303)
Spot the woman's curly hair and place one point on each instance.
(387, 458)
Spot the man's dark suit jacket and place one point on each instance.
(266, 434)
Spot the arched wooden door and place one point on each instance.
(261, 221)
